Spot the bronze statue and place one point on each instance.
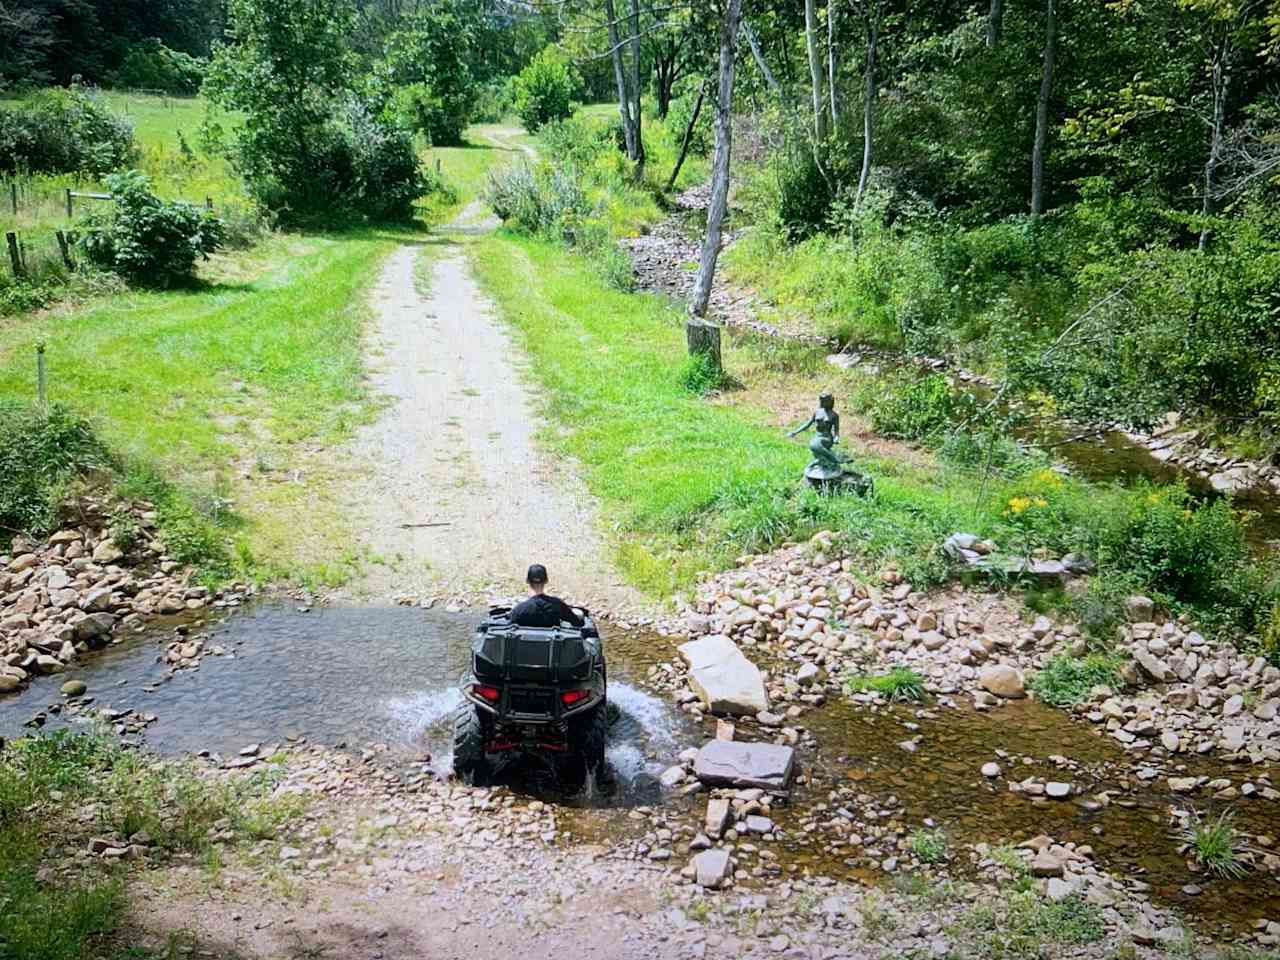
(827, 471)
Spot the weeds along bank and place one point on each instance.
(74, 808)
(693, 481)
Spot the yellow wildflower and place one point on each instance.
(1019, 504)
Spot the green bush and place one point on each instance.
(1065, 680)
(442, 121)
(543, 199)
(544, 90)
(921, 409)
(40, 453)
(699, 374)
(145, 239)
(899, 685)
(64, 131)
(150, 65)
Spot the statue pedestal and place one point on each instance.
(827, 480)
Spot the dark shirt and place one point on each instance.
(542, 610)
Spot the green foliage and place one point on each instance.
(50, 921)
(928, 846)
(145, 239)
(899, 685)
(680, 112)
(921, 409)
(40, 453)
(545, 199)
(1066, 680)
(429, 69)
(150, 65)
(310, 149)
(1215, 844)
(64, 131)
(544, 90)
(700, 375)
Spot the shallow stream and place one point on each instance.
(385, 678)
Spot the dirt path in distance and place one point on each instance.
(456, 499)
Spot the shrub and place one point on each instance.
(64, 131)
(542, 199)
(1065, 680)
(150, 65)
(928, 846)
(921, 409)
(700, 375)
(544, 90)
(40, 452)
(146, 239)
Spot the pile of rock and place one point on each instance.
(1186, 696)
(1188, 449)
(805, 606)
(73, 592)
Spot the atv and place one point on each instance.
(534, 691)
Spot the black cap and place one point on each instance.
(537, 574)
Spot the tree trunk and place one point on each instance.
(868, 101)
(1042, 108)
(720, 165)
(833, 66)
(995, 23)
(703, 337)
(815, 69)
(688, 135)
(1221, 83)
(620, 78)
(770, 80)
(636, 86)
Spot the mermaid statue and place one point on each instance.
(827, 471)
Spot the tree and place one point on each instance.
(430, 60)
(729, 25)
(815, 70)
(26, 37)
(871, 12)
(544, 90)
(995, 23)
(1042, 107)
(308, 147)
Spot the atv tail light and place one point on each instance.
(492, 694)
(570, 697)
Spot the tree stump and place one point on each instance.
(704, 338)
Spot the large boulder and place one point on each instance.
(734, 764)
(712, 868)
(1003, 681)
(724, 679)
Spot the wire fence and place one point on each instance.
(37, 254)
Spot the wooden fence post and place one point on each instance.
(704, 338)
(13, 196)
(41, 391)
(65, 247)
(15, 258)
(69, 213)
(208, 204)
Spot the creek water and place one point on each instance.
(354, 677)
(386, 678)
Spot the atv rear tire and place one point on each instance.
(587, 739)
(470, 763)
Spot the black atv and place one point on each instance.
(532, 690)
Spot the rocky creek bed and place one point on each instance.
(357, 700)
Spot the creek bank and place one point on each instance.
(807, 607)
(85, 585)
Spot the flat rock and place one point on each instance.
(724, 679)
(74, 688)
(736, 764)
(712, 868)
(718, 813)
